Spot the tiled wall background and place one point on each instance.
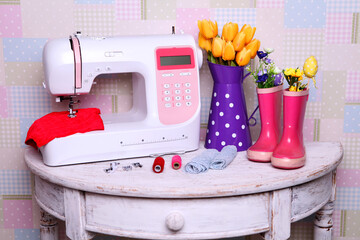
(328, 29)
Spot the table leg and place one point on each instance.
(323, 219)
(323, 222)
(48, 226)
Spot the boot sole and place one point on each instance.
(288, 163)
(256, 156)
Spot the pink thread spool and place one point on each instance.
(176, 162)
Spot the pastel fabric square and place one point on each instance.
(187, 18)
(27, 234)
(17, 214)
(352, 119)
(270, 4)
(9, 133)
(342, 6)
(29, 101)
(129, 9)
(240, 16)
(23, 49)
(3, 102)
(15, 182)
(304, 14)
(347, 198)
(10, 20)
(338, 28)
(351, 144)
(353, 87)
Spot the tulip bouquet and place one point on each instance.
(233, 48)
(294, 77)
(266, 75)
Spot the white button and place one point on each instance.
(167, 99)
(167, 74)
(187, 97)
(177, 91)
(188, 104)
(187, 90)
(108, 68)
(98, 69)
(178, 104)
(166, 85)
(187, 84)
(178, 98)
(177, 85)
(185, 74)
(167, 105)
(166, 92)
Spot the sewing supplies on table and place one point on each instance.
(165, 116)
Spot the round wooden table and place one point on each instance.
(245, 198)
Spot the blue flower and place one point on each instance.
(278, 79)
(262, 76)
(261, 54)
(268, 60)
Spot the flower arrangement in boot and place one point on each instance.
(269, 82)
(233, 48)
(267, 74)
(290, 153)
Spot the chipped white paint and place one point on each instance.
(245, 198)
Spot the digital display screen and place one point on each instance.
(175, 60)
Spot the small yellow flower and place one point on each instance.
(289, 72)
(229, 31)
(292, 89)
(208, 29)
(298, 73)
(228, 53)
(217, 46)
(204, 43)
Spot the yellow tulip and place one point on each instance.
(204, 43)
(217, 46)
(243, 57)
(208, 29)
(228, 53)
(229, 31)
(249, 32)
(253, 46)
(239, 41)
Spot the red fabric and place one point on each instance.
(58, 124)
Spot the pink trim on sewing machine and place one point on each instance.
(174, 52)
(77, 59)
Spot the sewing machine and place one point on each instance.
(165, 116)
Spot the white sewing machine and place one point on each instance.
(165, 117)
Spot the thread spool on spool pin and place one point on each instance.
(158, 165)
(176, 162)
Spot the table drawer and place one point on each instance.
(177, 218)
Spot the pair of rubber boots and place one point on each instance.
(285, 151)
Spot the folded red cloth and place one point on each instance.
(58, 124)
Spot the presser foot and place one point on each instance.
(72, 103)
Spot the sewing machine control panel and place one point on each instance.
(177, 84)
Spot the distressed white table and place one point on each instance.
(245, 198)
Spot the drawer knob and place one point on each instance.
(175, 221)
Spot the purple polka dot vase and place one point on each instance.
(228, 122)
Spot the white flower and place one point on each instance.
(268, 50)
(248, 68)
(277, 70)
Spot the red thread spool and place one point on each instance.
(176, 162)
(158, 165)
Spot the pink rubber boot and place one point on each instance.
(270, 113)
(290, 153)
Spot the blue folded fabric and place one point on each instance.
(201, 163)
(224, 158)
